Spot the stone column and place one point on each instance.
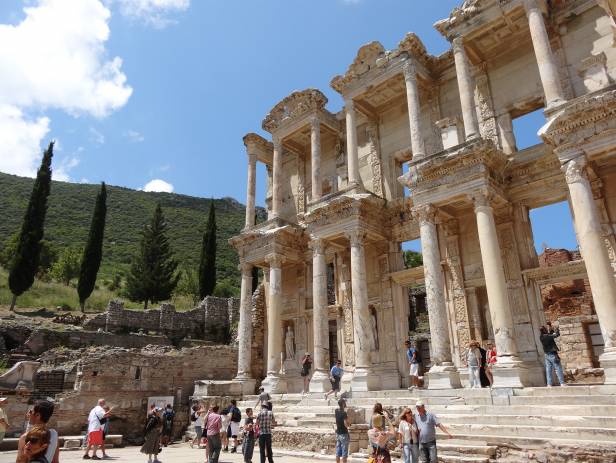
(508, 371)
(244, 332)
(320, 378)
(466, 86)
(273, 381)
(364, 342)
(592, 246)
(250, 191)
(442, 374)
(543, 53)
(277, 178)
(474, 313)
(351, 132)
(412, 100)
(315, 149)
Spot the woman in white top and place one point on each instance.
(408, 436)
(473, 361)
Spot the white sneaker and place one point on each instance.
(549, 385)
(564, 385)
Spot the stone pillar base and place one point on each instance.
(607, 360)
(274, 384)
(319, 382)
(443, 377)
(510, 373)
(365, 379)
(247, 385)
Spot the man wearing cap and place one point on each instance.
(427, 424)
(4, 421)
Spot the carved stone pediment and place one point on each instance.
(271, 237)
(365, 60)
(294, 106)
(581, 119)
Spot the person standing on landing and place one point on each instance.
(413, 358)
(491, 361)
(335, 375)
(552, 360)
(306, 367)
(473, 362)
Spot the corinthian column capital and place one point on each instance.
(409, 69)
(315, 123)
(458, 45)
(277, 142)
(356, 237)
(530, 5)
(425, 213)
(245, 267)
(482, 199)
(274, 260)
(575, 170)
(318, 246)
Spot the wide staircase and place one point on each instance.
(488, 425)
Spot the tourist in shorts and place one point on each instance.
(412, 357)
(473, 362)
(306, 367)
(550, 349)
(427, 424)
(151, 444)
(197, 418)
(39, 415)
(248, 444)
(234, 425)
(96, 420)
(224, 430)
(105, 421)
(335, 375)
(408, 435)
(342, 432)
(4, 421)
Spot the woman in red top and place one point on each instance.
(491, 360)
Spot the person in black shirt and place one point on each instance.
(234, 424)
(248, 445)
(306, 367)
(342, 432)
(552, 359)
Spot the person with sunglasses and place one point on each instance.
(36, 442)
(38, 416)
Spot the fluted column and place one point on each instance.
(250, 190)
(315, 149)
(548, 69)
(507, 372)
(244, 330)
(351, 132)
(320, 322)
(596, 259)
(363, 379)
(442, 374)
(277, 178)
(273, 382)
(412, 100)
(466, 86)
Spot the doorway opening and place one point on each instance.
(334, 355)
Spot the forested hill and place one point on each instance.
(70, 211)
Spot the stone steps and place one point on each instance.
(517, 430)
(535, 420)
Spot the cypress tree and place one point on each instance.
(25, 262)
(93, 252)
(207, 264)
(152, 276)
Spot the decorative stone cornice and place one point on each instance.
(294, 106)
(253, 141)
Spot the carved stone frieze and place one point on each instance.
(294, 106)
(375, 159)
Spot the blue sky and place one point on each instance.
(194, 77)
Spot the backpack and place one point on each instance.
(236, 415)
(193, 416)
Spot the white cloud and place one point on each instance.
(56, 59)
(84, 180)
(134, 136)
(61, 172)
(154, 12)
(96, 136)
(158, 185)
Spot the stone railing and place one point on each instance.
(211, 320)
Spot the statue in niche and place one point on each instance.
(289, 343)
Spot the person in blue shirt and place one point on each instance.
(335, 375)
(413, 358)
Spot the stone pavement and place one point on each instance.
(177, 453)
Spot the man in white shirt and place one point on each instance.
(96, 419)
(39, 415)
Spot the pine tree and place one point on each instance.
(25, 262)
(207, 264)
(152, 276)
(93, 252)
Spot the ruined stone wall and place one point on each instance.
(211, 320)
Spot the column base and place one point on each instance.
(607, 360)
(274, 384)
(364, 379)
(443, 377)
(247, 385)
(319, 382)
(510, 372)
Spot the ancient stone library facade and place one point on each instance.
(424, 148)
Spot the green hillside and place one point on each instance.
(70, 209)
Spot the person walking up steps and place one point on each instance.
(264, 398)
(427, 424)
(342, 432)
(552, 360)
(335, 375)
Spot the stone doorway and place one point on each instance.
(333, 342)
